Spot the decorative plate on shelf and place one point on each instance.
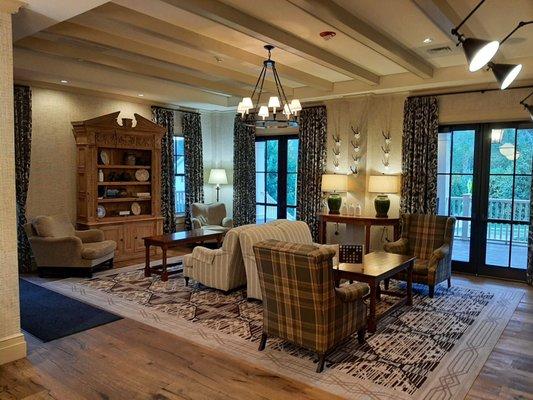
(100, 211)
(135, 208)
(142, 175)
(104, 157)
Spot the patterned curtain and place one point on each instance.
(243, 171)
(311, 163)
(165, 117)
(194, 165)
(22, 101)
(419, 155)
(529, 272)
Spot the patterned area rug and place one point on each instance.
(432, 350)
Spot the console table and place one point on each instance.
(367, 222)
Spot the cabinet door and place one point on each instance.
(114, 232)
(142, 230)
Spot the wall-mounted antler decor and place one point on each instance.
(336, 151)
(356, 153)
(386, 149)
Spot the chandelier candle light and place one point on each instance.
(278, 104)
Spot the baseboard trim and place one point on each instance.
(12, 348)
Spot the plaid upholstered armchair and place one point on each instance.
(430, 239)
(300, 302)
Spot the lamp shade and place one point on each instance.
(479, 52)
(505, 74)
(529, 108)
(217, 176)
(383, 184)
(334, 183)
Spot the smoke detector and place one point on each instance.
(327, 35)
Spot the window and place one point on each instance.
(179, 174)
(276, 166)
(484, 181)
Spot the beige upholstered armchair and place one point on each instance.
(59, 248)
(210, 216)
(300, 301)
(430, 239)
(218, 268)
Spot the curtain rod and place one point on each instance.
(177, 109)
(470, 91)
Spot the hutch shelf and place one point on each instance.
(118, 180)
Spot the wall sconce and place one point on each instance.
(356, 155)
(386, 149)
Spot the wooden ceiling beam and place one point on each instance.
(359, 30)
(443, 16)
(261, 30)
(77, 52)
(124, 43)
(203, 43)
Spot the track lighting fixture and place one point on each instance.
(505, 74)
(478, 52)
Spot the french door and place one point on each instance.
(484, 181)
(276, 171)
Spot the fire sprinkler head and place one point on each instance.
(327, 35)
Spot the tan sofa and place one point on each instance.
(283, 230)
(218, 268)
(210, 216)
(58, 247)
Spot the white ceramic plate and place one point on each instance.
(135, 208)
(104, 157)
(142, 175)
(100, 211)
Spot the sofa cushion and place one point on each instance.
(53, 226)
(92, 251)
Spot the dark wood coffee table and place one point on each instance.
(176, 239)
(376, 267)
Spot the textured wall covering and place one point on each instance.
(53, 159)
(9, 296)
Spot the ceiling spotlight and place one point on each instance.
(478, 52)
(428, 40)
(505, 73)
(64, 81)
(528, 107)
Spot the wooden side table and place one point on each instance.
(367, 222)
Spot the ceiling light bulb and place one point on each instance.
(287, 111)
(140, 95)
(263, 112)
(505, 74)
(64, 81)
(295, 105)
(479, 52)
(428, 40)
(273, 103)
(247, 103)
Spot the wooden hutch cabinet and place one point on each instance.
(118, 180)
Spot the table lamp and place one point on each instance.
(382, 184)
(334, 184)
(218, 177)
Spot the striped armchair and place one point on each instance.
(430, 239)
(300, 301)
(218, 268)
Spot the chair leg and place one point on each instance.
(449, 282)
(186, 281)
(386, 283)
(321, 362)
(110, 264)
(263, 342)
(361, 335)
(431, 291)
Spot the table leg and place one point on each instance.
(378, 291)
(372, 313)
(410, 284)
(147, 271)
(164, 272)
(367, 239)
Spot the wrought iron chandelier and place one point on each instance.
(284, 114)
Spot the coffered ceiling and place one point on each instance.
(208, 53)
